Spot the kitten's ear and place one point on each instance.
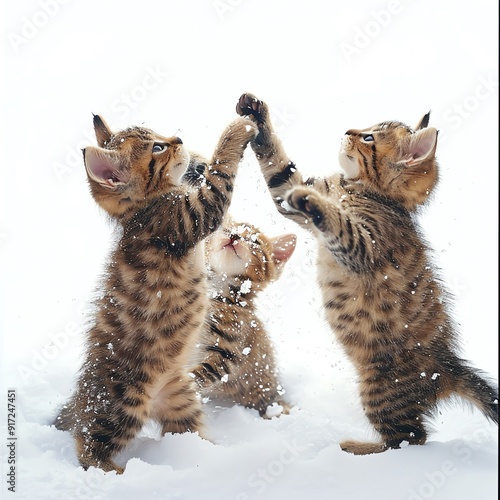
(103, 133)
(423, 122)
(102, 167)
(419, 147)
(283, 248)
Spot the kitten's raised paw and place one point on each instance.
(243, 129)
(306, 201)
(249, 105)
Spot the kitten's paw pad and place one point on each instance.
(306, 201)
(249, 105)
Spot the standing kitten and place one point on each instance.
(154, 297)
(239, 363)
(381, 295)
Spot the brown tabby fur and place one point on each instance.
(239, 363)
(154, 298)
(381, 294)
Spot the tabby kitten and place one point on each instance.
(381, 294)
(239, 363)
(154, 299)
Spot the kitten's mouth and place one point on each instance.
(179, 169)
(231, 243)
(348, 164)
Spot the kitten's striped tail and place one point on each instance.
(473, 385)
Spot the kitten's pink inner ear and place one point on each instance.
(283, 247)
(420, 146)
(102, 167)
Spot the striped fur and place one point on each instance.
(238, 362)
(154, 298)
(382, 296)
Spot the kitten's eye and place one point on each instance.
(158, 147)
(368, 138)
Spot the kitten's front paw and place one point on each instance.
(243, 130)
(307, 201)
(249, 105)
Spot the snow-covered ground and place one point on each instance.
(179, 67)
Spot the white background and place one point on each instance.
(178, 67)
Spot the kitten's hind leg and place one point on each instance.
(178, 408)
(102, 437)
(394, 417)
(91, 453)
(96, 454)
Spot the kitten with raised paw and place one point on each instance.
(382, 295)
(154, 294)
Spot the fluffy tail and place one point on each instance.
(472, 385)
